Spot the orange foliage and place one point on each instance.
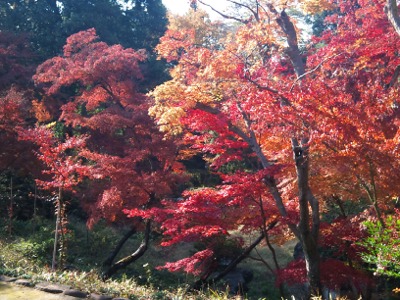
(243, 102)
(40, 111)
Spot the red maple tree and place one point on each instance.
(98, 87)
(64, 164)
(17, 67)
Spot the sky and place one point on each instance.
(182, 6)
(177, 6)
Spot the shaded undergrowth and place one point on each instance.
(27, 254)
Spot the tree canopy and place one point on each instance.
(292, 114)
(290, 129)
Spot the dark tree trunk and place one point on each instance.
(308, 228)
(108, 262)
(122, 263)
(204, 282)
(293, 50)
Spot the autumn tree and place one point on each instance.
(96, 88)
(15, 60)
(219, 88)
(372, 86)
(66, 169)
(316, 125)
(12, 112)
(16, 89)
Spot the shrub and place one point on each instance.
(383, 247)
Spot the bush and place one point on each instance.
(383, 247)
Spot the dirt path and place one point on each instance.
(9, 291)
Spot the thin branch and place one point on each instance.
(245, 254)
(260, 259)
(255, 13)
(261, 87)
(366, 187)
(394, 77)
(314, 69)
(330, 147)
(372, 175)
(339, 203)
(253, 139)
(284, 101)
(224, 15)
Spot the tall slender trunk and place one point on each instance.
(270, 247)
(308, 235)
(11, 208)
(56, 233)
(63, 241)
(34, 210)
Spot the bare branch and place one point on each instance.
(261, 259)
(255, 13)
(394, 77)
(314, 69)
(224, 15)
(284, 101)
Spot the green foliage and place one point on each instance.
(349, 207)
(159, 295)
(29, 255)
(383, 246)
(317, 22)
(30, 250)
(48, 23)
(225, 249)
(34, 250)
(59, 130)
(21, 190)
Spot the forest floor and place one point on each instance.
(10, 291)
(28, 254)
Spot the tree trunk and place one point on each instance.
(204, 282)
(393, 14)
(122, 263)
(309, 236)
(11, 208)
(293, 50)
(109, 260)
(34, 211)
(56, 233)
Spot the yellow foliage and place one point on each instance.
(316, 6)
(206, 31)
